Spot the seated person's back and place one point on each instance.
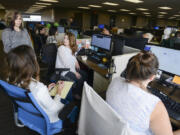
(144, 112)
(132, 103)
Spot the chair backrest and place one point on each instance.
(29, 112)
(120, 63)
(98, 118)
(49, 53)
(177, 46)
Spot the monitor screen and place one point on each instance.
(43, 23)
(61, 29)
(156, 28)
(101, 41)
(75, 32)
(101, 26)
(169, 59)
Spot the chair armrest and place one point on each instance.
(58, 71)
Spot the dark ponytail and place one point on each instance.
(142, 66)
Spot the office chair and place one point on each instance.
(177, 46)
(98, 118)
(28, 112)
(49, 54)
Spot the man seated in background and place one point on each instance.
(149, 36)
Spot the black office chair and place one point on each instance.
(177, 46)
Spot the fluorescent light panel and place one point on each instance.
(132, 13)
(134, 1)
(146, 13)
(125, 10)
(53, 1)
(163, 13)
(84, 7)
(171, 17)
(95, 6)
(111, 10)
(176, 15)
(41, 3)
(38, 6)
(142, 9)
(165, 8)
(111, 4)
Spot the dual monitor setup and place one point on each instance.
(62, 29)
(168, 59)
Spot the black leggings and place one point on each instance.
(78, 85)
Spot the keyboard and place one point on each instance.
(94, 59)
(172, 106)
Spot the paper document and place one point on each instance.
(64, 92)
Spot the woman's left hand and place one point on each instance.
(50, 86)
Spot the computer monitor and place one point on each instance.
(118, 44)
(61, 29)
(75, 32)
(101, 41)
(169, 59)
(101, 26)
(138, 43)
(42, 22)
(156, 28)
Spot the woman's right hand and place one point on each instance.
(60, 87)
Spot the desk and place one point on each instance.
(175, 96)
(100, 82)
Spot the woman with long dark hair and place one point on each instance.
(15, 35)
(22, 70)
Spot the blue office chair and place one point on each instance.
(28, 112)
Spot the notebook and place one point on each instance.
(64, 92)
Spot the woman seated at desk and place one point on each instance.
(144, 112)
(66, 59)
(22, 69)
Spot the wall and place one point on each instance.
(141, 21)
(103, 18)
(2, 13)
(164, 23)
(123, 21)
(48, 15)
(86, 21)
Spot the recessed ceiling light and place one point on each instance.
(165, 8)
(111, 10)
(53, 1)
(134, 1)
(84, 7)
(132, 13)
(95, 6)
(125, 10)
(142, 9)
(160, 15)
(41, 3)
(146, 13)
(163, 13)
(111, 4)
